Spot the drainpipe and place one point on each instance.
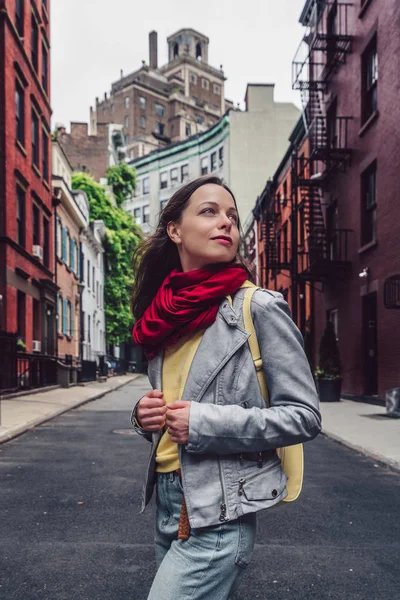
(56, 202)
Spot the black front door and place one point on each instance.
(370, 344)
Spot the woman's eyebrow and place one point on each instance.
(216, 204)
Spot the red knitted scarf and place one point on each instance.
(185, 303)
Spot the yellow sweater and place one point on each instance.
(176, 365)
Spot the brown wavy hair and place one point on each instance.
(157, 255)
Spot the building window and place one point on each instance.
(93, 280)
(193, 78)
(89, 328)
(146, 213)
(97, 293)
(160, 110)
(187, 129)
(285, 244)
(35, 43)
(35, 139)
(59, 314)
(217, 89)
(221, 156)
(20, 112)
(370, 80)
(204, 165)
(162, 204)
(19, 17)
(46, 243)
(174, 176)
(65, 316)
(137, 213)
(45, 156)
(164, 180)
(21, 312)
(126, 102)
(72, 254)
(21, 216)
(70, 319)
(142, 103)
(138, 187)
(213, 161)
(285, 196)
(204, 83)
(184, 173)
(143, 122)
(126, 122)
(45, 64)
(35, 225)
(368, 207)
(88, 273)
(160, 128)
(58, 238)
(146, 185)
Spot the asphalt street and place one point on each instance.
(70, 527)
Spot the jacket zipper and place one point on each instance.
(222, 516)
(242, 481)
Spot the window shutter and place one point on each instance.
(71, 319)
(79, 262)
(65, 317)
(72, 255)
(64, 244)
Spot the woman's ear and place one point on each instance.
(173, 232)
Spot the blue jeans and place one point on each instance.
(207, 565)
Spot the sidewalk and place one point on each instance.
(20, 414)
(363, 427)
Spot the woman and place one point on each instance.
(206, 418)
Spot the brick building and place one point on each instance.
(159, 105)
(27, 288)
(93, 153)
(344, 250)
(71, 217)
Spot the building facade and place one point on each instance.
(160, 105)
(27, 288)
(71, 217)
(238, 149)
(344, 253)
(93, 325)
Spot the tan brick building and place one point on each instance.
(159, 105)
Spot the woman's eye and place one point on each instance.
(203, 211)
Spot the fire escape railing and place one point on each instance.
(324, 47)
(323, 253)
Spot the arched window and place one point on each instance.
(176, 50)
(198, 52)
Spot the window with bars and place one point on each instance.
(20, 112)
(34, 43)
(21, 199)
(368, 205)
(35, 139)
(370, 80)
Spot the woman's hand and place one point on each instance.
(151, 411)
(177, 421)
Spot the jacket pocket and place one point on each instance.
(266, 484)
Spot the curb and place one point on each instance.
(20, 429)
(378, 458)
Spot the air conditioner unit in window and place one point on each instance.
(36, 345)
(37, 251)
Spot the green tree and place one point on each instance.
(122, 239)
(122, 180)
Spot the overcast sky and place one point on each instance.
(91, 41)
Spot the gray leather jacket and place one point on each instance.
(229, 421)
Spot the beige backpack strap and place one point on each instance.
(253, 342)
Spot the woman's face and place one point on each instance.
(210, 214)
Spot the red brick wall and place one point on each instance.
(86, 152)
(16, 162)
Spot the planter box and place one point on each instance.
(329, 389)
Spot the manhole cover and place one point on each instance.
(124, 431)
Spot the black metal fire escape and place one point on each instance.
(322, 249)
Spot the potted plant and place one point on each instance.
(328, 378)
(21, 346)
